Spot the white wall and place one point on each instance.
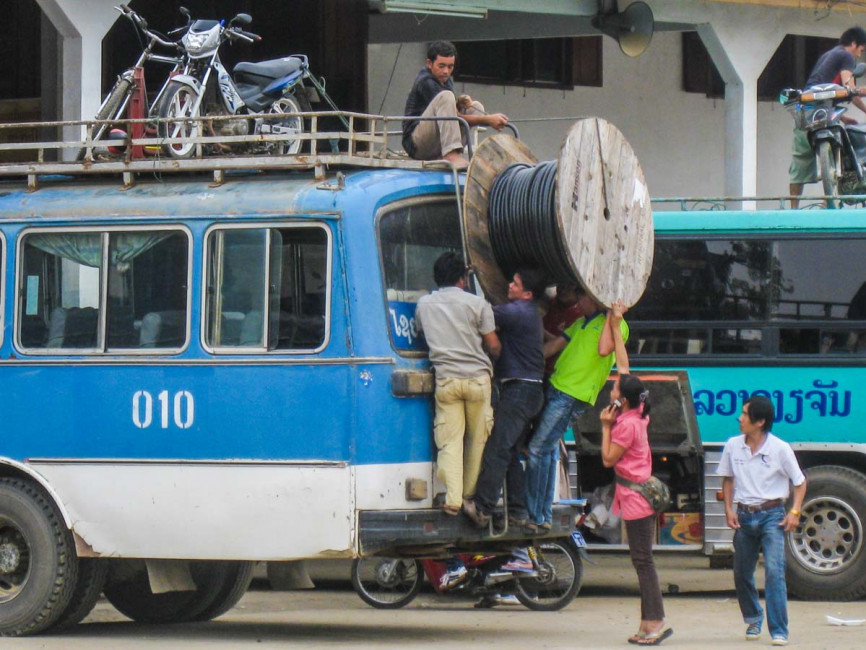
(678, 136)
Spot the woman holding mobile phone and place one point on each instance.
(625, 447)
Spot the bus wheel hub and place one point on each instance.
(10, 557)
(829, 536)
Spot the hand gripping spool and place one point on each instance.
(591, 223)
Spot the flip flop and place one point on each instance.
(634, 639)
(656, 638)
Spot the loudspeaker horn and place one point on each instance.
(632, 29)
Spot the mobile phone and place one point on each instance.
(617, 404)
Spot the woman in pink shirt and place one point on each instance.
(625, 447)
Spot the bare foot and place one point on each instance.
(456, 159)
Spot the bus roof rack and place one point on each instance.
(49, 148)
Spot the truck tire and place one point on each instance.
(38, 564)
(826, 559)
(92, 573)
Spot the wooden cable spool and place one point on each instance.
(602, 205)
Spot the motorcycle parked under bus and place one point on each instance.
(839, 147)
(205, 88)
(553, 582)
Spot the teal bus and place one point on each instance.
(748, 303)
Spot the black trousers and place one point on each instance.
(518, 404)
(641, 533)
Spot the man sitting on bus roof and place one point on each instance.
(432, 95)
(458, 326)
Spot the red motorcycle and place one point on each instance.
(551, 584)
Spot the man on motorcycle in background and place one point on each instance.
(834, 66)
(432, 95)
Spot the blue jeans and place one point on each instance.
(760, 532)
(543, 456)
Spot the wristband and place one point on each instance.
(794, 512)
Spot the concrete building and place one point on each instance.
(689, 143)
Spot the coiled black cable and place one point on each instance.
(522, 221)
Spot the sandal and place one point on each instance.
(656, 638)
(634, 639)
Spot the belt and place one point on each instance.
(772, 503)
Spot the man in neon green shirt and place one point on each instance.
(587, 348)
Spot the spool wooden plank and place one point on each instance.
(492, 156)
(603, 211)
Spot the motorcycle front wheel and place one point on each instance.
(385, 582)
(557, 580)
(829, 163)
(289, 126)
(177, 103)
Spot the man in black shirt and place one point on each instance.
(519, 372)
(432, 95)
(834, 66)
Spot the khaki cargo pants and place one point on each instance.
(464, 419)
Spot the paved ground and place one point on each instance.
(703, 614)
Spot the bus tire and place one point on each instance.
(826, 558)
(238, 577)
(557, 581)
(132, 596)
(92, 573)
(386, 583)
(38, 564)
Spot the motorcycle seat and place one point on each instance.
(273, 69)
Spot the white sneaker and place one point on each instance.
(780, 640)
(451, 578)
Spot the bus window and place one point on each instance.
(411, 237)
(138, 278)
(695, 283)
(824, 289)
(147, 290)
(268, 288)
(753, 296)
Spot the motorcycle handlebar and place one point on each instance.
(246, 36)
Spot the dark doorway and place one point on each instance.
(332, 33)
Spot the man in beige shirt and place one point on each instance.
(458, 327)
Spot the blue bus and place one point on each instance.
(766, 303)
(197, 376)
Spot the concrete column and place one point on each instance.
(81, 27)
(741, 52)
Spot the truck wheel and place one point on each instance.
(38, 565)
(217, 582)
(826, 559)
(92, 573)
(236, 581)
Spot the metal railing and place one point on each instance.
(364, 143)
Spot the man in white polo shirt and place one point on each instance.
(758, 470)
